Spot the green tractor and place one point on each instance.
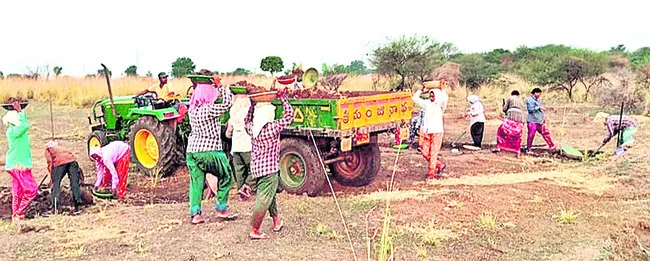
(154, 129)
(150, 125)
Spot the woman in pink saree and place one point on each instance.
(511, 129)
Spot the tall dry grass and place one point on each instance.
(81, 92)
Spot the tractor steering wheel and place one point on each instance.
(147, 96)
(189, 90)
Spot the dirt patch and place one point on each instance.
(43, 201)
(170, 190)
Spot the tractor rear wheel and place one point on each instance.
(96, 139)
(300, 169)
(153, 146)
(360, 168)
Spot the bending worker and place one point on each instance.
(627, 125)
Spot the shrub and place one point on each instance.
(612, 96)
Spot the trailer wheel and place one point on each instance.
(300, 169)
(96, 139)
(360, 168)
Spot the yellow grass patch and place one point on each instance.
(585, 182)
(399, 195)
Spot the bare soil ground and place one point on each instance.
(490, 206)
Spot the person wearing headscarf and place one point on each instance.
(112, 162)
(241, 145)
(265, 160)
(511, 129)
(477, 119)
(205, 151)
(61, 161)
(616, 124)
(431, 131)
(18, 163)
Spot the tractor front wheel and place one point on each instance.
(96, 139)
(153, 146)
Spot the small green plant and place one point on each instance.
(76, 252)
(101, 215)
(422, 253)
(155, 178)
(319, 229)
(386, 240)
(141, 249)
(566, 216)
(433, 235)
(334, 235)
(487, 221)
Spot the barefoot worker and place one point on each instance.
(18, 162)
(537, 120)
(511, 129)
(627, 125)
(241, 145)
(61, 161)
(204, 149)
(432, 132)
(476, 119)
(265, 160)
(112, 163)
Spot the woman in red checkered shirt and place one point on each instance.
(265, 160)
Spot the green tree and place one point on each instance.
(334, 69)
(149, 74)
(241, 71)
(272, 64)
(100, 73)
(57, 70)
(2, 75)
(410, 58)
(640, 58)
(357, 67)
(621, 49)
(562, 68)
(475, 70)
(131, 71)
(182, 67)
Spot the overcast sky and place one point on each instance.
(223, 35)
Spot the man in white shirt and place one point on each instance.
(476, 119)
(432, 131)
(241, 146)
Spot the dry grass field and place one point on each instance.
(490, 206)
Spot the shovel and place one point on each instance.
(453, 144)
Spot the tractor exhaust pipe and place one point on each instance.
(110, 91)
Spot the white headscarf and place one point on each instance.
(52, 143)
(11, 117)
(264, 113)
(473, 99)
(601, 117)
(238, 111)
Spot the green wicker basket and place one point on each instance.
(200, 78)
(238, 89)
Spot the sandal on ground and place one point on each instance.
(279, 228)
(230, 216)
(198, 219)
(261, 236)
